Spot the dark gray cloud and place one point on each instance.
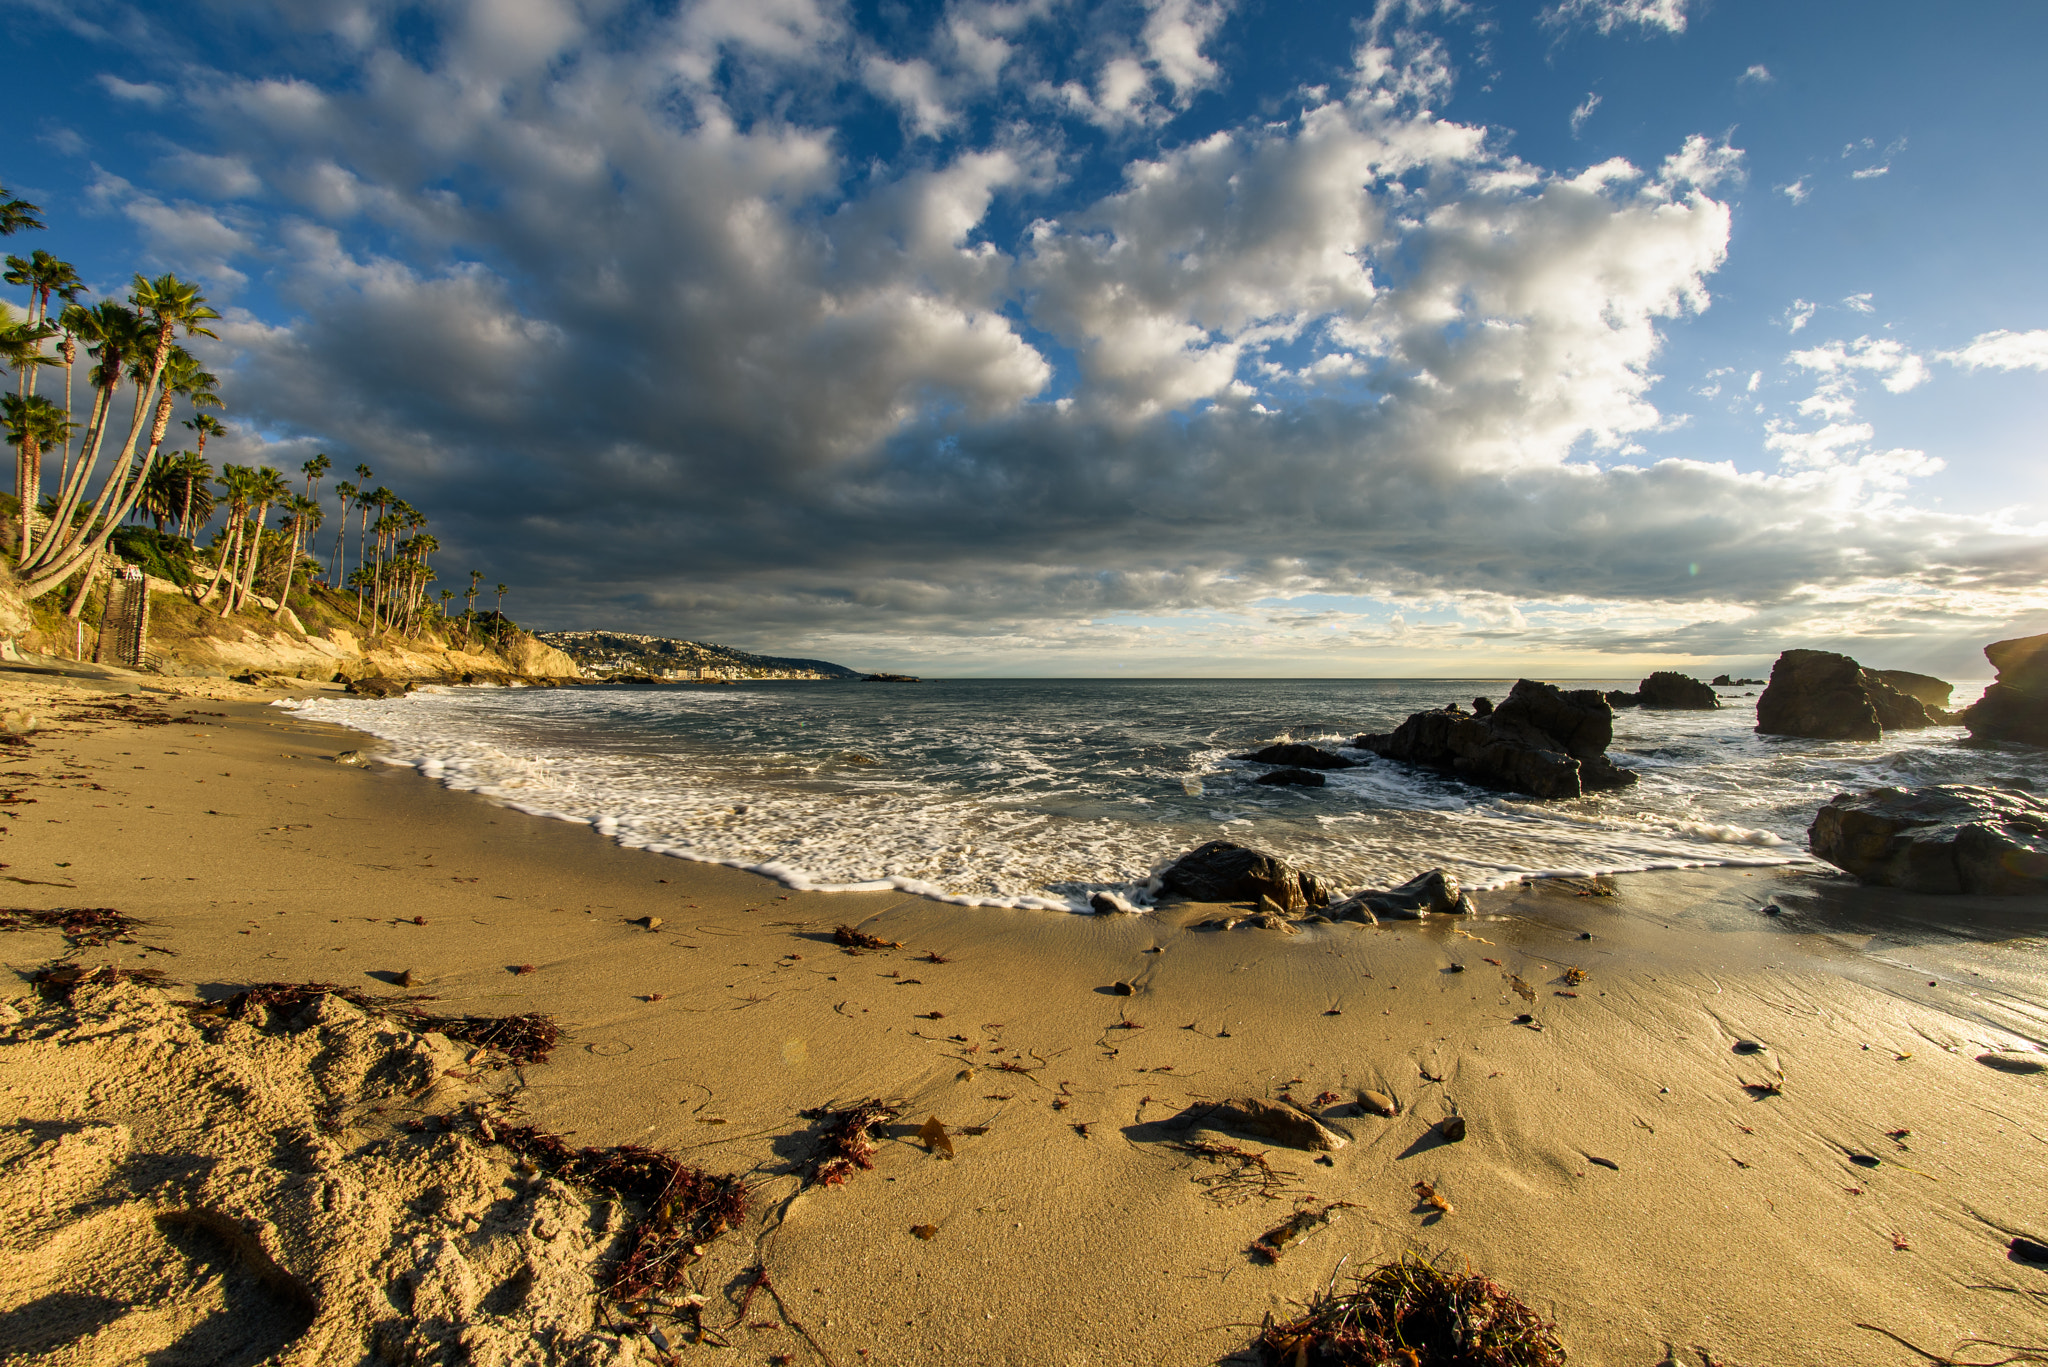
(666, 354)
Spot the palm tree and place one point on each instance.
(161, 492)
(344, 491)
(33, 425)
(267, 489)
(498, 630)
(192, 477)
(171, 305)
(43, 275)
(314, 469)
(476, 577)
(236, 481)
(305, 517)
(203, 425)
(17, 214)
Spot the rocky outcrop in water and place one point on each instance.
(1435, 893)
(1300, 757)
(1947, 838)
(2016, 707)
(1676, 692)
(1223, 872)
(1667, 691)
(1824, 696)
(1543, 741)
(1928, 691)
(1723, 681)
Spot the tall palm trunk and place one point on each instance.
(255, 553)
(226, 570)
(290, 564)
(340, 533)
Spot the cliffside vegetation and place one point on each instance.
(242, 542)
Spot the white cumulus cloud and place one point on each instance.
(2002, 350)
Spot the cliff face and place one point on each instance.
(189, 640)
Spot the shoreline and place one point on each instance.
(626, 813)
(1718, 1218)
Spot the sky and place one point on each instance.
(1163, 337)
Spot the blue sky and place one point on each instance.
(1171, 337)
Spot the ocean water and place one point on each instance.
(1037, 793)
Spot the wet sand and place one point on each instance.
(1622, 1170)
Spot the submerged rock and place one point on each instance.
(1300, 757)
(1299, 778)
(1824, 696)
(1542, 741)
(376, 686)
(1435, 893)
(2016, 707)
(1223, 872)
(1947, 838)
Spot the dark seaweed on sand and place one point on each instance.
(1413, 1312)
(522, 1039)
(686, 1207)
(83, 927)
(848, 1141)
(529, 1038)
(849, 938)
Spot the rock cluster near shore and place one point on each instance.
(1819, 695)
(1948, 838)
(1542, 741)
(2015, 707)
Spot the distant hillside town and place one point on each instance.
(625, 654)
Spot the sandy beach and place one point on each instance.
(1714, 1136)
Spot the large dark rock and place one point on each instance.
(2016, 707)
(1222, 872)
(1300, 757)
(1542, 741)
(1824, 696)
(1948, 838)
(1435, 893)
(1676, 692)
(1927, 690)
(379, 686)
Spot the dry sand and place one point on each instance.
(1617, 1173)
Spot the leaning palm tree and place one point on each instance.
(170, 305)
(236, 483)
(266, 490)
(304, 520)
